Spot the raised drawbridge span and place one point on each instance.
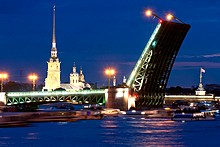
(151, 72)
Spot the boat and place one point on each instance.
(133, 112)
(110, 111)
(193, 115)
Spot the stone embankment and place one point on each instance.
(12, 119)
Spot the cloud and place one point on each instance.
(188, 56)
(200, 56)
(187, 65)
(211, 55)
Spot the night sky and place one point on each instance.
(96, 34)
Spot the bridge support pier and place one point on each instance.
(3, 97)
(119, 98)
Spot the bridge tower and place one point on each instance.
(151, 72)
(53, 73)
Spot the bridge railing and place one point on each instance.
(83, 96)
(49, 93)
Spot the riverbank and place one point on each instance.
(15, 119)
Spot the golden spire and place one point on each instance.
(54, 48)
(54, 28)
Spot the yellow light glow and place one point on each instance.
(109, 71)
(112, 71)
(169, 16)
(33, 77)
(167, 108)
(148, 13)
(3, 75)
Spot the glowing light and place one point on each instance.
(167, 108)
(148, 13)
(109, 71)
(3, 75)
(33, 77)
(169, 17)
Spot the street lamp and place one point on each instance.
(169, 17)
(150, 13)
(109, 72)
(3, 76)
(33, 77)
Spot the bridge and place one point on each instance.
(148, 78)
(84, 96)
(151, 72)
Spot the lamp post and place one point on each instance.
(149, 13)
(109, 72)
(33, 77)
(170, 17)
(3, 76)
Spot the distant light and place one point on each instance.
(110, 71)
(169, 17)
(86, 106)
(148, 13)
(123, 112)
(160, 20)
(3, 75)
(142, 112)
(33, 77)
(167, 108)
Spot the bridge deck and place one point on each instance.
(84, 96)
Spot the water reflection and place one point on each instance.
(114, 131)
(139, 131)
(32, 136)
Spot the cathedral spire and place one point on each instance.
(52, 80)
(54, 49)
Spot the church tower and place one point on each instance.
(81, 76)
(53, 70)
(74, 76)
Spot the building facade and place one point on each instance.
(77, 81)
(52, 80)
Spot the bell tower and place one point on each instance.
(53, 70)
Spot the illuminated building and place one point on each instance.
(52, 81)
(77, 81)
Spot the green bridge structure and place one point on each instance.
(84, 96)
(148, 78)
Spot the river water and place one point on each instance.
(114, 131)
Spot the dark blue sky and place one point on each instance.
(96, 34)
